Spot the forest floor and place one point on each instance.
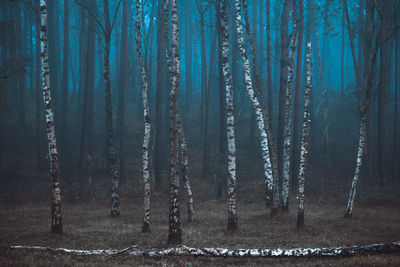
(87, 225)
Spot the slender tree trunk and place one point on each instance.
(324, 103)
(256, 104)
(38, 88)
(159, 129)
(65, 77)
(296, 121)
(185, 168)
(112, 156)
(266, 117)
(288, 118)
(342, 56)
(203, 72)
(181, 134)
(363, 113)
(56, 219)
(175, 233)
(188, 58)
(123, 82)
(383, 84)
(230, 119)
(146, 113)
(351, 37)
(269, 66)
(283, 79)
(304, 141)
(206, 145)
(396, 102)
(222, 152)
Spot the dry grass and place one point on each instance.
(87, 225)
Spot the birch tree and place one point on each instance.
(304, 140)
(230, 119)
(255, 103)
(266, 117)
(185, 168)
(56, 218)
(288, 118)
(146, 114)
(181, 135)
(175, 233)
(364, 105)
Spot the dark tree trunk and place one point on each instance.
(65, 81)
(38, 88)
(56, 219)
(296, 122)
(160, 84)
(206, 145)
(269, 66)
(383, 84)
(112, 157)
(123, 82)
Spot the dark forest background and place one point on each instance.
(76, 47)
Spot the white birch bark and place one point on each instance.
(146, 114)
(56, 218)
(175, 233)
(181, 134)
(360, 151)
(255, 102)
(230, 119)
(393, 247)
(288, 120)
(185, 168)
(363, 115)
(304, 141)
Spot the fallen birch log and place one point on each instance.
(224, 252)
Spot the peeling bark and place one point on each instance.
(185, 168)
(175, 233)
(255, 103)
(56, 218)
(288, 119)
(266, 117)
(304, 141)
(393, 247)
(230, 119)
(146, 114)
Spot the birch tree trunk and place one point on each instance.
(256, 104)
(230, 119)
(266, 117)
(146, 114)
(288, 118)
(185, 167)
(304, 141)
(181, 135)
(175, 233)
(56, 218)
(363, 114)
